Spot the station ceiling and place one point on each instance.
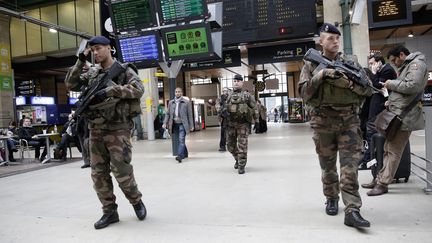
(422, 16)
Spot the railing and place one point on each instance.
(428, 177)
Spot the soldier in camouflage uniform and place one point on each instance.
(109, 121)
(240, 106)
(333, 102)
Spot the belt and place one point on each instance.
(336, 111)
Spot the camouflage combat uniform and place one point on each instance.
(240, 117)
(333, 106)
(110, 123)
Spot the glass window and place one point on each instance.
(85, 16)
(97, 17)
(18, 38)
(66, 11)
(34, 42)
(50, 40)
(196, 81)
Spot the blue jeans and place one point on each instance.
(178, 140)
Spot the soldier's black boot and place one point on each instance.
(140, 210)
(332, 207)
(354, 219)
(107, 219)
(241, 170)
(236, 165)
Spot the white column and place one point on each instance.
(149, 100)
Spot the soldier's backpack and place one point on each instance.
(237, 107)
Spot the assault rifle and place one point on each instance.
(350, 70)
(86, 97)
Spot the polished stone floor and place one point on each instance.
(203, 199)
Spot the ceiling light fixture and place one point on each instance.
(411, 35)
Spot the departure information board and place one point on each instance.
(130, 15)
(187, 42)
(181, 10)
(248, 21)
(389, 13)
(142, 48)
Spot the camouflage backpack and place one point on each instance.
(238, 108)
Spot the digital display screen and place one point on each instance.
(181, 10)
(129, 15)
(142, 48)
(20, 100)
(187, 42)
(72, 101)
(249, 21)
(389, 13)
(41, 100)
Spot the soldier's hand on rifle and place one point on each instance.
(100, 96)
(341, 83)
(331, 73)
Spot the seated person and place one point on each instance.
(28, 133)
(11, 141)
(67, 137)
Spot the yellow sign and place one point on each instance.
(149, 103)
(5, 59)
(161, 75)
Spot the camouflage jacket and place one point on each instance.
(122, 95)
(241, 108)
(318, 91)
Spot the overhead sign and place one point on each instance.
(72, 101)
(389, 13)
(278, 53)
(248, 21)
(141, 48)
(181, 10)
(20, 100)
(187, 42)
(25, 88)
(230, 58)
(41, 100)
(130, 15)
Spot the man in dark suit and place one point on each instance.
(381, 73)
(29, 133)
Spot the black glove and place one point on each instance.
(82, 57)
(100, 96)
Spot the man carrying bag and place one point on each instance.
(403, 113)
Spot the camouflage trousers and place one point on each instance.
(333, 134)
(237, 141)
(110, 151)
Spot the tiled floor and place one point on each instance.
(203, 199)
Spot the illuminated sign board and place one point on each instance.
(20, 100)
(41, 100)
(172, 11)
(72, 101)
(187, 42)
(141, 48)
(249, 21)
(389, 13)
(127, 15)
(278, 53)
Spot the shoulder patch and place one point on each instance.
(414, 66)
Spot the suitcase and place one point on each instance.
(377, 150)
